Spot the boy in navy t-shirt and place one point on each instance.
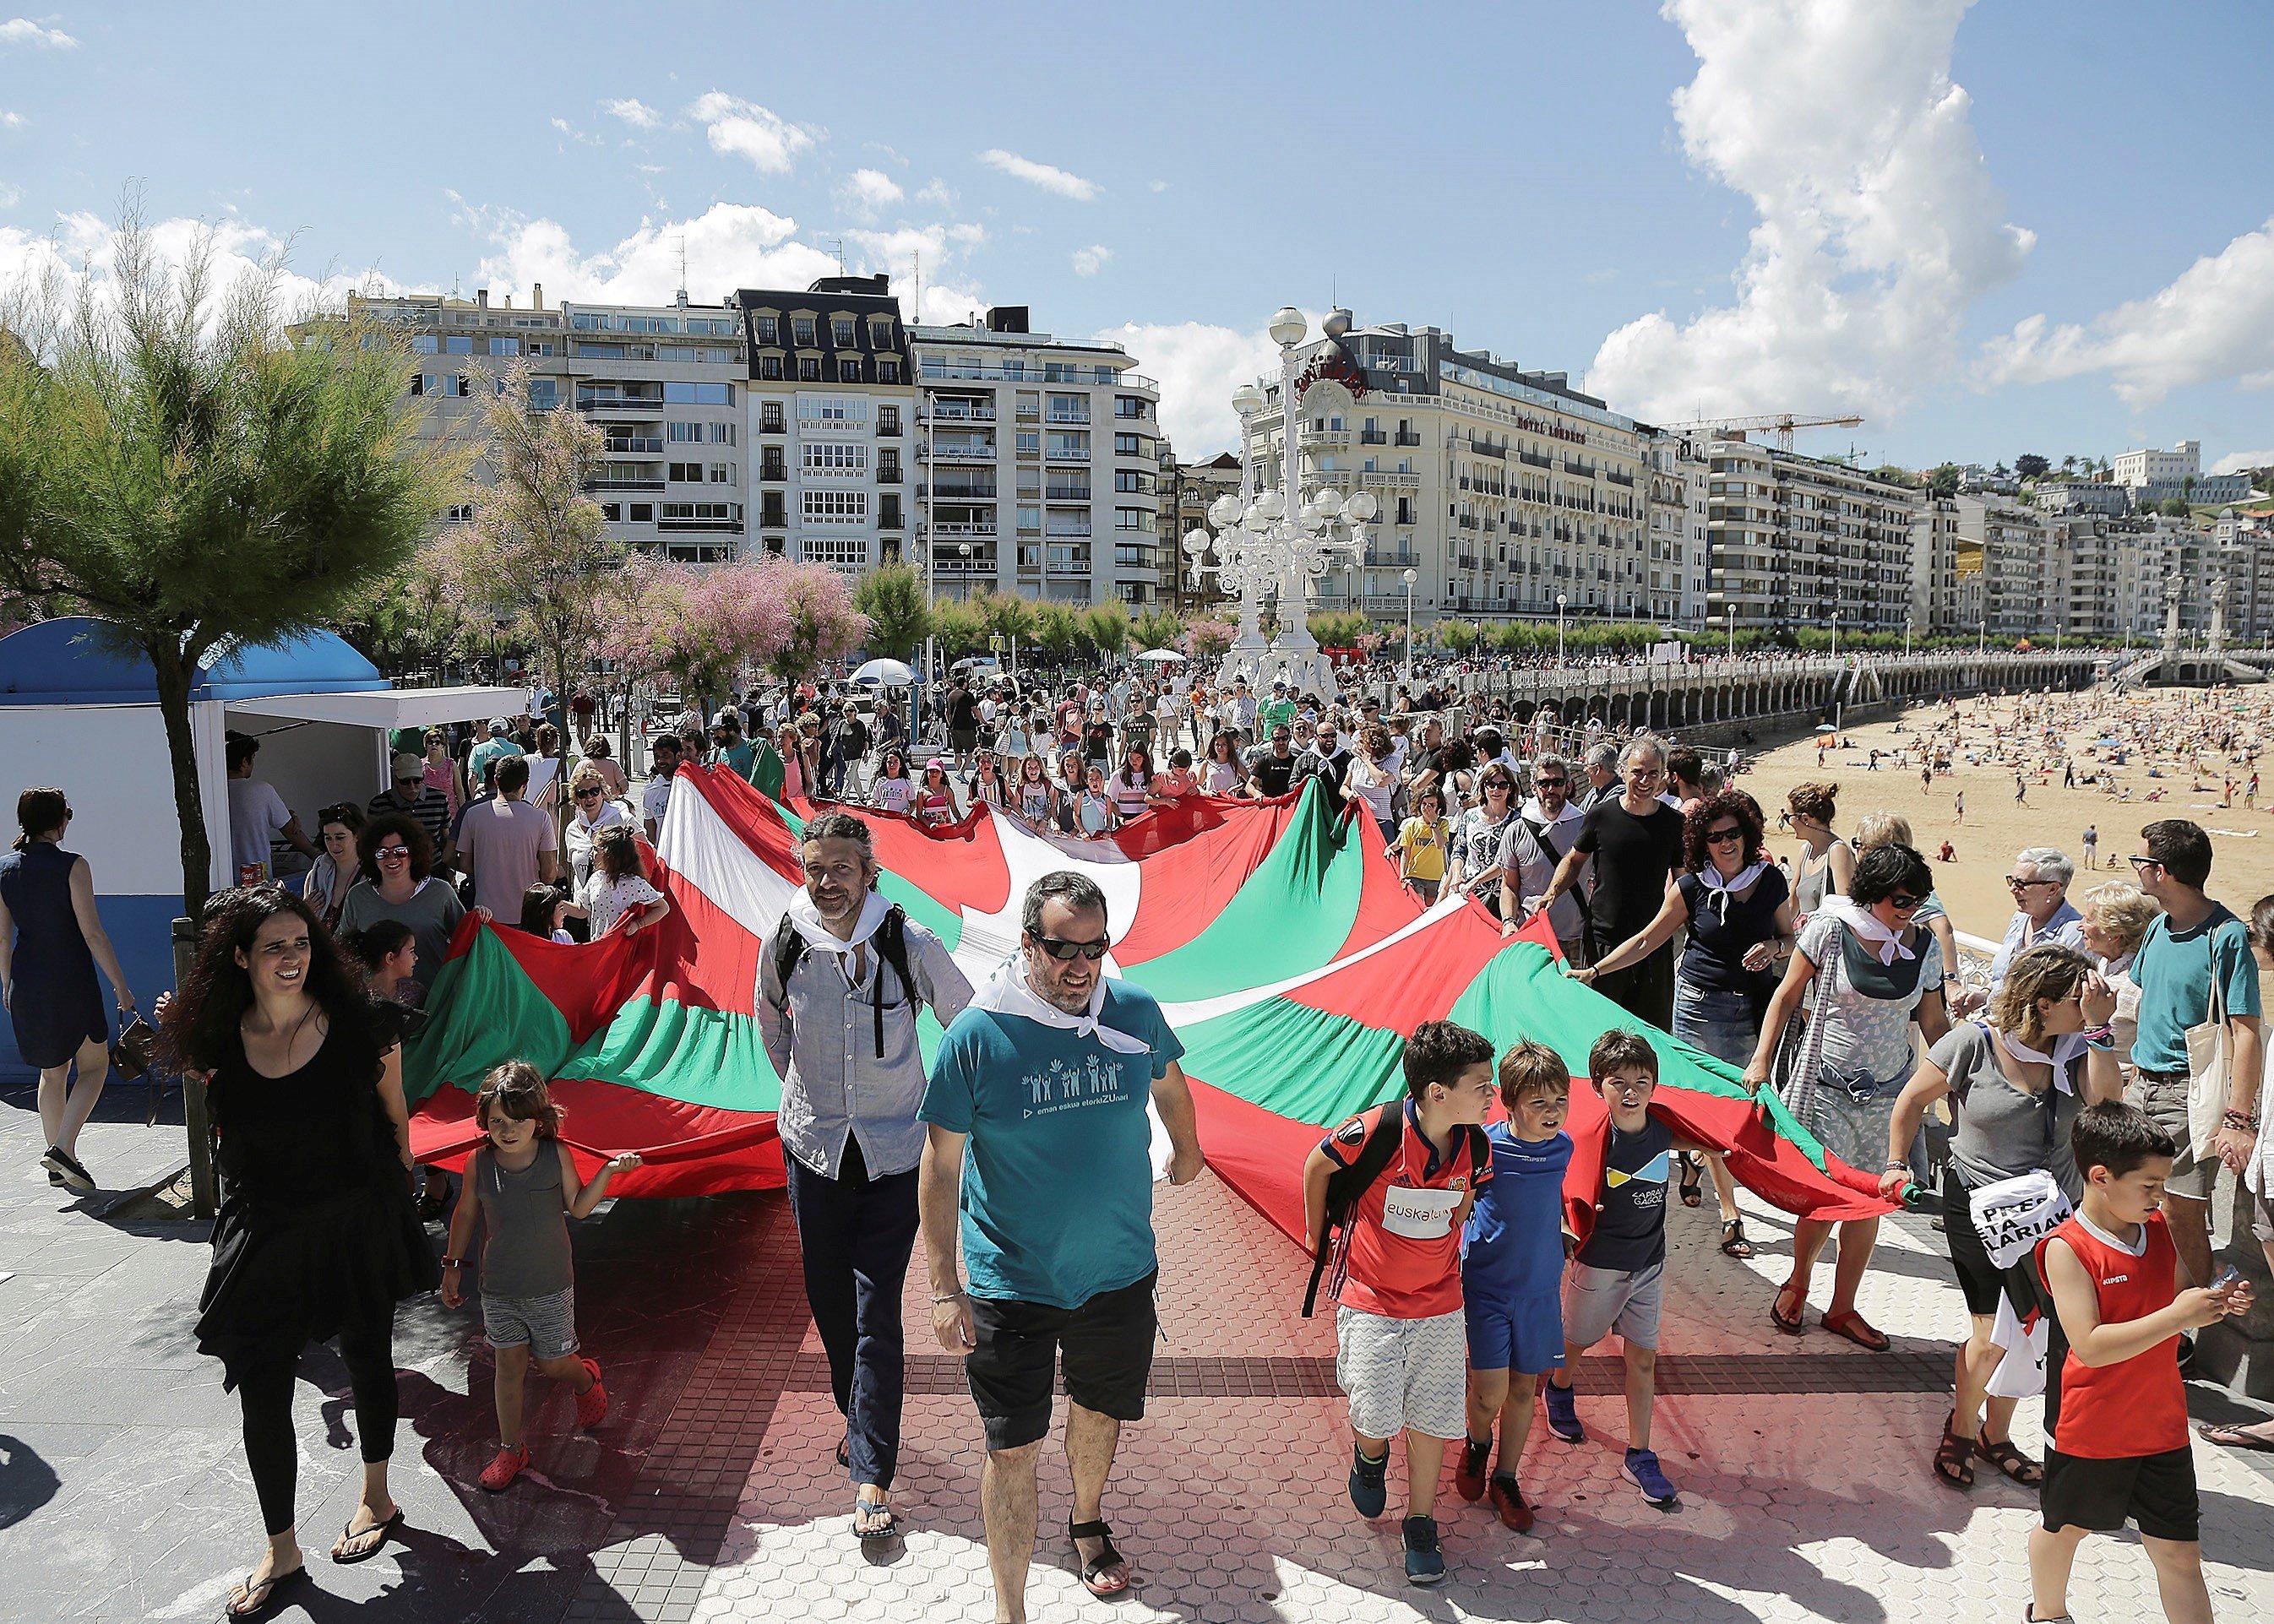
(1512, 1256)
(1615, 1280)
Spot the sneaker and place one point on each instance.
(592, 1403)
(67, 1170)
(1469, 1476)
(1642, 1471)
(498, 1475)
(1369, 1489)
(1508, 1500)
(1424, 1564)
(1563, 1413)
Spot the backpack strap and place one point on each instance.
(788, 949)
(1346, 1184)
(891, 940)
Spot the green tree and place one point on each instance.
(1156, 628)
(174, 464)
(1057, 632)
(961, 626)
(1893, 475)
(893, 596)
(405, 621)
(2175, 507)
(1105, 630)
(1457, 636)
(2030, 465)
(1339, 629)
(1007, 616)
(1942, 479)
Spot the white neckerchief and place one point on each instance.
(1008, 992)
(806, 918)
(1532, 810)
(1718, 889)
(2065, 1047)
(1885, 944)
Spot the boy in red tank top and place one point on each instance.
(2115, 1408)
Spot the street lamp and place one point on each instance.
(1729, 615)
(1411, 577)
(1907, 637)
(1561, 603)
(963, 571)
(1981, 641)
(1835, 637)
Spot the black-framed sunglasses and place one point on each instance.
(2015, 884)
(589, 795)
(1904, 903)
(1723, 837)
(1063, 951)
(2143, 863)
(1551, 783)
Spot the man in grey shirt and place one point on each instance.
(840, 1029)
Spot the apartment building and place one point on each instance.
(1794, 540)
(2109, 500)
(1679, 478)
(2081, 558)
(1504, 489)
(2136, 469)
(1187, 490)
(1038, 464)
(831, 397)
(661, 382)
(1946, 571)
(2017, 564)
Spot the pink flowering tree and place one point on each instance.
(1208, 639)
(819, 621)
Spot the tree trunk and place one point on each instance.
(174, 671)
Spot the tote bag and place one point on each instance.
(2211, 1054)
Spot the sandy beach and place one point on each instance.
(2175, 731)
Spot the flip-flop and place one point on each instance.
(889, 1528)
(380, 1529)
(274, 1586)
(2230, 1436)
(1795, 1325)
(1092, 1571)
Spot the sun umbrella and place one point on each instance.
(1825, 727)
(1163, 657)
(889, 673)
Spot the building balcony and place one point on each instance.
(944, 564)
(716, 527)
(976, 527)
(1066, 566)
(1374, 480)
(1060, 419)
(888, 432)
(1406, 438)
(1066, 454)
(1484, 448)
(1371, 437)
(1530, 460)
(613, 406)
(956, 453)
(940, 412)
(623, 485)
(1069, 494)
(640, 445)
(1376, 558)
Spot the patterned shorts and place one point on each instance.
(1404, 1373)
(546, 1325)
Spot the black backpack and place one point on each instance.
(1346, 1184)
(891, 944)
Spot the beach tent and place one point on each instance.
(79, 710)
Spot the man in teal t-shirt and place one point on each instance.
(1276, 711)
(1039, 1158)
(2193, 944)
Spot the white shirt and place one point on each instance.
(653, 799)
(607, 900)
(256, 811)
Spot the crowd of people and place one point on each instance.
(2070, 1090)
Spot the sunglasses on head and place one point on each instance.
(1062, 949)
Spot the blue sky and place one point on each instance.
(2016, 225)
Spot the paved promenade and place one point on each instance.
(710, 1493)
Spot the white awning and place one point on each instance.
(391, 708)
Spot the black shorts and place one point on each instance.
(2157, 1491)
(1106, 1345)
(1980, 1281)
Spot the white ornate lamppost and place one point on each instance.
(1277, 543)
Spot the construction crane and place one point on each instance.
(1783, 423)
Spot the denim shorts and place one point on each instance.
(1724, 1025)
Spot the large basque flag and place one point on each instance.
(1277, 938)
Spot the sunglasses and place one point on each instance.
(1724, 837)
(1551, 783)
(589, 794)
(393, 853)
(2025, 884)
(1903, 904)
(410, 778)
(1063, 951)
(2143, 863)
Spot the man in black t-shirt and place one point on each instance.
(1271, 767)
(962, 718)
(1638, 838)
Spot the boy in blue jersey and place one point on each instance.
(1512, 1255)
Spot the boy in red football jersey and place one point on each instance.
(2114, 1404)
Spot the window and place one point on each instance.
(836, 507)
(454, 384)
(461, 512)
(1030, 442)
(612, 512)
(426, 343)
(701, 510)
(1136, 519)
(1131, 445)
(1031, 518)
(802, 330)
(720, 434)
(808, 370)
(1133, 482)
(543, 393)
(888, 513)
(1132, 406)
(769, 330)
(601, 352)
(699, 393)
(888, 465)
(770, 511)
(457, 345)
(505, 346)
(838, 457)
(888, 418)
(839, 408)
(770, 417)
(685, 434)
(848, 368)
(640, 513)
(771, 464)
(846, 552)
(770, 366)
(685, 473)
(722, 473)
(533, 346)
(840, 331)
(888, 370)
(880, 331)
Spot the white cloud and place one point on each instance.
(1159, 186)
(632, 110)
(870, 190)
(1049, 176)
(2243, 462)
(729, 245)
(2214, 320)
(24, 31)
(936, 192)
(12, 121)
(10, 196)
(740, 129)
(1090, 260)
(1879, 227)
(1198, 366)
(575, 134)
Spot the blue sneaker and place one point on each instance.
(1369, 1489)
(1642, 1471)
(1563, 1414)
(1424, 1564)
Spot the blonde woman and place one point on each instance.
(2116, 920)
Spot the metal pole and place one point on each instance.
(205, 1192)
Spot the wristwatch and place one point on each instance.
(451, 1263)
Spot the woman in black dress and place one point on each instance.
(317, 1238)
(50, 940)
